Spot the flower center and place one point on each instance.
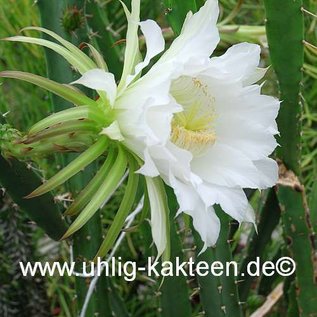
(193, 129)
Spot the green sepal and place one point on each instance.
(61, 90)
(105, 191)
(73, 168)
(85, 60)
(87, 193)
(80, 112)
(124, 209)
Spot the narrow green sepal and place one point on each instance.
(61, 90)
(72, 168)
(125, 207)
(88, 192)
(105, 191)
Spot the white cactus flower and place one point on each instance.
(200, 123)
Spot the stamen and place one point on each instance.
(194, 141)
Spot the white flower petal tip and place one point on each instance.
(113, 132)
(207, 224)
(199, 36)
(256, 228)
(99, 79)
(155, 45)
(148, 169)
(254, 77)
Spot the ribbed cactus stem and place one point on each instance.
(269, 219)
(88, 239)
(285, 29)
(174, 297)
(219, 295)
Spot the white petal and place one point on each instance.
(225, 166)
(240, 61)
(148, 168)
(205, 220)
(145, 109)
(158, 214)
(186, 195)
(245, 103)
(132, 41)
(255, 76)
(99, 79)
(244, 135)
(207, 224)
(154, 45)
(233, 201)
(159, 121)
(268, 170)
(113, 131)
(199, 35)
(259, 108)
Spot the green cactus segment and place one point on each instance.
(73, 19)
(66, 92)
(58, 69)
(18, 179)
(300, 240)
(285, 32)
(219, 295)
(99, 24)
(123, 211)
(176, 11)
(103, 193)
(87, 193)
(85, 243)
(285, 29)
(229, 287)
(209, 285)
(292, 307)
(73, 168)
(118, 306)
(313, 206)
(269, 219)
(174, 290)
